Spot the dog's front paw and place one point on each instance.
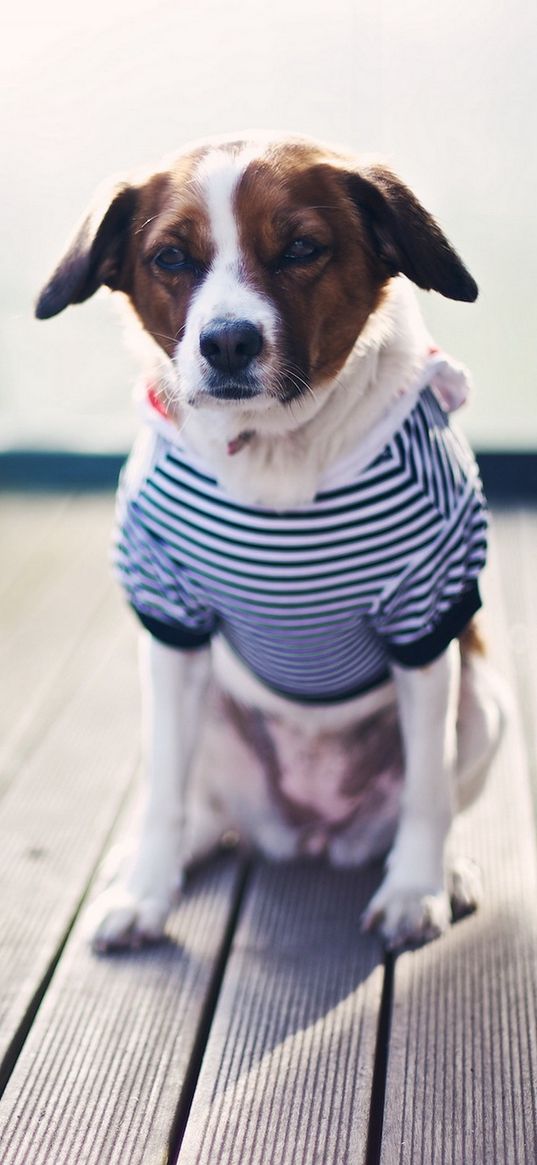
(407, 915)
(118, 920)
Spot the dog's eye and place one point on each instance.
(170, 259)
(302, 251)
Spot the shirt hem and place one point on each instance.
(173, 635)
(306, 697)
(425, 650)
(337, 698)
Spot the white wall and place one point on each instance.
(446, 91)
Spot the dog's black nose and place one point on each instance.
(230, 345)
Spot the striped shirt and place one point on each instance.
(382, 565)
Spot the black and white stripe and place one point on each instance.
(316, 601)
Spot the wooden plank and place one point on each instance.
(55, 819)
(108, 1058)
(26, 522)
(57, 584)
(287, 1072)
(463, 1040)
(52, 683)
(516, 532)
(70, 744)
(42, 546)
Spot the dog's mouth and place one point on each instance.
(239, 387)
(235, 392)
(248, 389)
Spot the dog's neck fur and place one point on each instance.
(280, 463)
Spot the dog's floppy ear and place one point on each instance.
(406, 237)
(95, 254)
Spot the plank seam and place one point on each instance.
(186, 1099)
(380, 1065)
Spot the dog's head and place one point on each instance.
(256, 266)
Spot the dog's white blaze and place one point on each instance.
(225, 292)
(217, 178)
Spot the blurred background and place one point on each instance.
(445, 92)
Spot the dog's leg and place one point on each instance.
(412, 904)
(484, 710)
(173, 685)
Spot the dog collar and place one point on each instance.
(156, 403)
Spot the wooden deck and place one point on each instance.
(267, 1030)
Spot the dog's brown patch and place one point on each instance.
(289, 194)
(374, 746)
(472, 640)
(169, 213)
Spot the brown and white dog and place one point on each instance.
(269, 277)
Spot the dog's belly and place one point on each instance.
(322, 782)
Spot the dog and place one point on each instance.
(300, 529)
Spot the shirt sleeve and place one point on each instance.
(438, 592)
(157, 588)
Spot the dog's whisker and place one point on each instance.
(164, 336)
(298, 381)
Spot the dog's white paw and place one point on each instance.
(407, 914)
(120, 921)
